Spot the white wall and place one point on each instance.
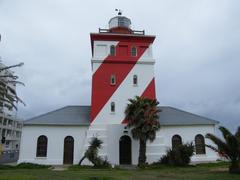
(164, 141)
(56, 135)
(110, 134)
(115, 132)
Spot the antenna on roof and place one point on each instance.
(119, 11)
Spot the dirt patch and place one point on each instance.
(220, 169)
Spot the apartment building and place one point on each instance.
(10, 129)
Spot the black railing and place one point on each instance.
(137, 32)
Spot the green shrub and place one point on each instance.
(24, 166)
(179, 156)
(31, 166)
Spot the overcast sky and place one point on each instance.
(197, 51)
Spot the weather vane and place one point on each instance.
(119, 11)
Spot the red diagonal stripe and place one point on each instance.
(119, 65)
(149, 92)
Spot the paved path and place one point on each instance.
(10, 164)
(128, 167)
(60, 167)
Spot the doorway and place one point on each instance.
(68, 150)
(125, 150)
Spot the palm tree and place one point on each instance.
(8, 81)
(92, 152)
(229, 147)
(142, 115)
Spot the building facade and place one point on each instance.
(11, 129)
(123, 67)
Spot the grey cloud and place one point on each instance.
(197, 51)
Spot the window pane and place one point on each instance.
(200, 144)
(176, 141)
(112, 107)
(42, 146)
(113, 80)
(112, 50)
(134, 51)
(135, 80)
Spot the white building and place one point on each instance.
(123, 67)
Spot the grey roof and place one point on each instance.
(80, 115)
(69, 115)
(172, 116)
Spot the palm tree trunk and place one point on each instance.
(80, 162)
(142, 153)
(234, 167)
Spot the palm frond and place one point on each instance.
(225, 132)
(237, 134)
(221, 144)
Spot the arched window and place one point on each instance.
(200, 144)
(134, 51)
(176, 141)
(42, 146)
(112, 106)
(112, 50)
(135, 80)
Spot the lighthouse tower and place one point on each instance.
(122, 68)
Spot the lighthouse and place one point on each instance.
(122, 68)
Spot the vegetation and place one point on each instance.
(142, 116)
(92, 154)
(25, 166)
(8, 81)
(204, 171)
(229, 147)
(179, 156)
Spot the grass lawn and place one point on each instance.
(206, 172)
